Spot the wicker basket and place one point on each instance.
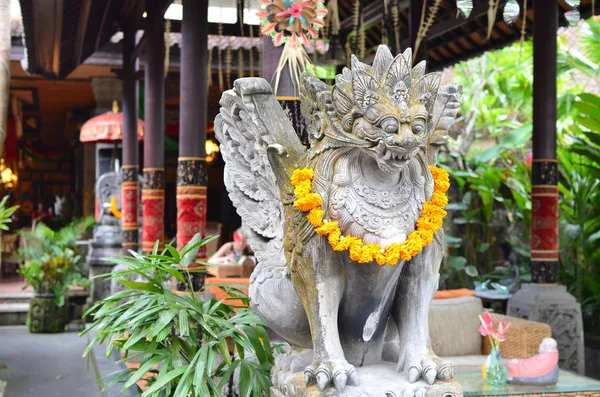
(523, 338)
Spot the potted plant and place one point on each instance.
(186, 344)
(51, 266)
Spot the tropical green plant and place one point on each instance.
(52, 264)
(579, 209)
(186, 345)
(6, 214)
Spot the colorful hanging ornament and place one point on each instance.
(292, 23)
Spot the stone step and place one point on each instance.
(13, 313)
(15, 297)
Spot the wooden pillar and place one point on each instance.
(414, 21)
(544, 190)
(130, 186)
(287, 95)
(153, 190)
(191, 170)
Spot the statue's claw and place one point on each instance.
(429, 369)
(339, 380)
(414, 373)
(445, 370)
(323, 378)
(334, 372)
(422, 392)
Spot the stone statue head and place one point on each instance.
(385, 109)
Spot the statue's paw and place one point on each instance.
(429, 368)
(336, 372)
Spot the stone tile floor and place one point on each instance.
(45, 365)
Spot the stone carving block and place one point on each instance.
(372, 138)
(553, 305)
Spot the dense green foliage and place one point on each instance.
(52, 264)
(491, 207)
(186, 346)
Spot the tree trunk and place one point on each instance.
(4, 68)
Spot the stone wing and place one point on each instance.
(251, 120)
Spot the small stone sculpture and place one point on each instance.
(541, 369)
(370, 248)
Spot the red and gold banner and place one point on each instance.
(544, 223)
(153, 208)
(191, 201)
(130, 198)
(191, 215)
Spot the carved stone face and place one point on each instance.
(386, 108)
(395, 133)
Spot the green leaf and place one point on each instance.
(163, 380)
(140, 286)
(142, 371)
(191, 250)
(482, 247)
(164, 320)
(456, 207)
(471, 271)
(457, 262)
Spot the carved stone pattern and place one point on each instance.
(377, 216)
(154, 179)
(191, 173)
(129, 174)
(544, 173)
(567, 334)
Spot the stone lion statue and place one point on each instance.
(373, 136)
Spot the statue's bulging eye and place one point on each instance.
(390, 125)
(418, 126)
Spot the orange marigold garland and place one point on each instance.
(430, 221)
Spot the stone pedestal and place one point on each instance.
(105, 244)
(378, 380)
(553, 305)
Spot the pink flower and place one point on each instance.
(529, 159)
(500, 335)
(485, 328)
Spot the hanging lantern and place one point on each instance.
(335, 54)
(512, 9)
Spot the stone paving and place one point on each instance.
(50, 365)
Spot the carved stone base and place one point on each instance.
(378, 380)
(553, 305)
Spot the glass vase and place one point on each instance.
(497, 374)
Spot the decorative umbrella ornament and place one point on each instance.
(292, 23)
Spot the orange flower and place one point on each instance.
(429, 222)
(300, 175)
(315, 217)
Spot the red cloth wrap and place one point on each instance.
(544, 223)
(191, 215)
(129, 205)
(153, 210)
